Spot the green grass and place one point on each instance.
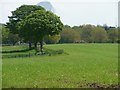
(83, 63)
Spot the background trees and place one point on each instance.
(86, 33)
(98, 35)
(89, 34)
(5, 34)
(113, 35)
(8, 37)
(69, 35)
(52, 39)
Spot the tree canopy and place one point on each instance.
(39, 24)
(19, 14)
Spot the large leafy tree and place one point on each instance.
(19, 14)
(39, 24)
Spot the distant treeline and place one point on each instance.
(89, 34)
(76, 34)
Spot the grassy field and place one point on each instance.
(84, 65)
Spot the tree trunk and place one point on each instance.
(35, 46)
(41, 46)
(30, 45)
(13, 43)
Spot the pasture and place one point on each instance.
(82, 65)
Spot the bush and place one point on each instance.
(60, 51)
(53, 52)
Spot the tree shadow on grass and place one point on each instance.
(25, 53)
(15, 51)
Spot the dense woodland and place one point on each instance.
(75, 34)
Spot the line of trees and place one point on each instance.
(75, 34)
(89, 34)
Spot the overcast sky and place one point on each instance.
(72, 12)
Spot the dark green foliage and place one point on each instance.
(19, 14)
(39, 24)
(118, 41)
